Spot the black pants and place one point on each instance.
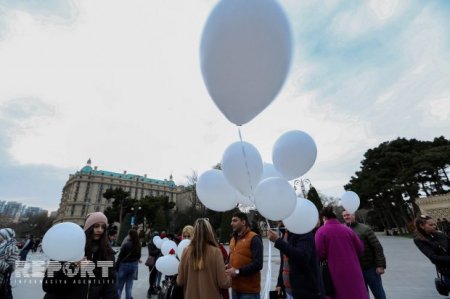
(152, 278)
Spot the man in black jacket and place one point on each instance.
(299, 269)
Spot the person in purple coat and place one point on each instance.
(340, 246)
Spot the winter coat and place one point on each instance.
(304, 273)
(373, 255)
(436, 247)
(341, 246)
(205, 283)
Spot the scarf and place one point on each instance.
(8, 239)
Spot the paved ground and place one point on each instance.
(409, 273)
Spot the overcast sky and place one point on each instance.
(119, 82)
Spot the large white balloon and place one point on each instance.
(294, 153)
(304, 218)
(167, 265)
(245, 53)
(215, 192)
(242, 166)
(64, 242)
(275, 198)
(182, 246)
(269, 171)
(350, 201)
(168, 246)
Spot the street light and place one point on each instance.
(134, 218)
(301, 183)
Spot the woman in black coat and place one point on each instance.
(434, 245)
(98, 251)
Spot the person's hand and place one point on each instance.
(278, 289)
(379, 270)
(273, 236)
(231, 271)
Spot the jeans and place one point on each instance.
(236, 295)
(373, 281)
(23, 254)
(125, 276)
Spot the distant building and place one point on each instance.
(33, 211)
(437, 206)
(2, 206)
(13, 209)
(83, 192)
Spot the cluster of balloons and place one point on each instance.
(168, 263)
(245, 179)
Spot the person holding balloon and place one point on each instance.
(299, 272)
(97, 250)
(201, 271)
(155, 252)
(340, 247)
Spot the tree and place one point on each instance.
(395, 173)
(121, 201)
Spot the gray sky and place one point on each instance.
(120, 82)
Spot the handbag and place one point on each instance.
(440, 285)
(150, 262)
(326, 278)
(275, 295)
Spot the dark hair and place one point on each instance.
(241, 216)
(328, 212)
(134, 238)
(112, 232)
(104, 249)
(420, 220)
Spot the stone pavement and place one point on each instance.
(409, 273)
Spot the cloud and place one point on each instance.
(122, 85)
(36, 185)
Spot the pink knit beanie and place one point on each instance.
(93, 218)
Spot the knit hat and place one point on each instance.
(94, 218)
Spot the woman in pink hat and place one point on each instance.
(97, 250)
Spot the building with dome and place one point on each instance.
(83, 192)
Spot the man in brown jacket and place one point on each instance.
(372, 261)
(246, 259)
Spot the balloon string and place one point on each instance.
(266, 288)
(246, 164)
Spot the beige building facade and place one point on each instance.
(435, 206)
(83, 192)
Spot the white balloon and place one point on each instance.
(167, 265)
(64, 242)
(215, 192)
(182, 246)
(159, 243)
(168, 246)
(275, 198)
(304, 218)
(350, 201)
(245, 53)
(156, 239)
(294, 153)
(242, 167)
(269, 171)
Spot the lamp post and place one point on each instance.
(134, 217)
(301, 183)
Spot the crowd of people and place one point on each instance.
(352, 254)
